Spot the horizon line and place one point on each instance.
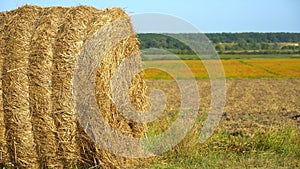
(214, 32)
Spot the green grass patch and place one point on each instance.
(245, 63)
(260, 67)
(276, 148)
(257, 56)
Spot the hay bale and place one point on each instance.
(39, 52)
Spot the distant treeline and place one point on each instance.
(162, 41)
(254, 37)
(230, 43)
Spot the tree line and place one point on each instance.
(231, 43)
(253, 37)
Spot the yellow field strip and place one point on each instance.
(254, 68)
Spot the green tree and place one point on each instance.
(220, 48)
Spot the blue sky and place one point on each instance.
(207, 16)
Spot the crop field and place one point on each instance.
(235, 68)
(260, 126)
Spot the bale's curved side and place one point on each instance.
(69, 41)
(4, 158)
(116, 120)
(40, 89)
(20, 140)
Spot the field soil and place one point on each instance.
(251, 104)
(259, 128)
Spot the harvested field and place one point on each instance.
(260, 126)
(250, 104)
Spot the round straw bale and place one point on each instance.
(39, 52)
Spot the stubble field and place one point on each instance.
(260, 126)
